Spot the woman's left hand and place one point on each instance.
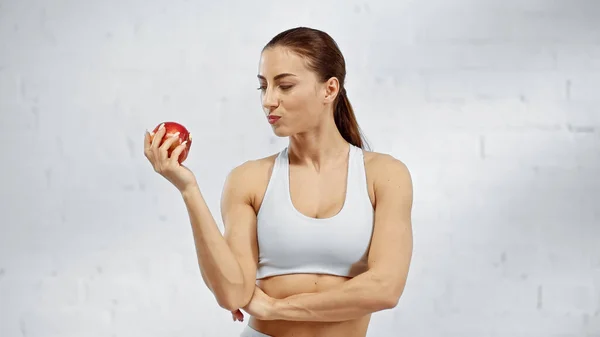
(237, 315)
(261, 307)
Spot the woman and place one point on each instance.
(318, 236)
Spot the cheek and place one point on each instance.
(302, 103)
(302, 109)
(294, 102)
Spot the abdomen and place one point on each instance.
(288, 285)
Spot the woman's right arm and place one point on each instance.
(227, 263)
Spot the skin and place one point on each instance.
(301, 304)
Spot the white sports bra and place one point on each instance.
(290, 242)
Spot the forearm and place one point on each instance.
(356, 298)
(218, 265)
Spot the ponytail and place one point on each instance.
(346, 121)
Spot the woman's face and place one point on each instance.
(292, 92)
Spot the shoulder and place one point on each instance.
(385, 164)
(250, 176)
(253, 168)
(387, 172)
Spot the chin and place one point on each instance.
(281, 132)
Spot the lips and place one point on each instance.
(273, 119)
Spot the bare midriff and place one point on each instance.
(287, 285)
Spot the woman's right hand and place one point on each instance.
(168, 167)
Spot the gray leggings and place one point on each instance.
(249, 332)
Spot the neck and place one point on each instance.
(318, 147)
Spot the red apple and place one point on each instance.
(172, 128)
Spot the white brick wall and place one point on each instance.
(493, 105)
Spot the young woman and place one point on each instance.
(317, 236)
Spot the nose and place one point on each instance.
(270, 101)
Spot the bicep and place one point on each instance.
(392, 241)
(239, 220)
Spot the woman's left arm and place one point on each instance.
(390, 254)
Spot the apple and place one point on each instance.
(170, 129)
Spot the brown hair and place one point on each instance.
(324, 57)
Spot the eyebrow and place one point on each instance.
(276, 77)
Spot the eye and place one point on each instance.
(262, 88)
(285, 87)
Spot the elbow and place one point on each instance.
(232, 298)
(389, 299)
(230, 303)
(227, 303)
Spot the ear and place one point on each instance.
(332, 90)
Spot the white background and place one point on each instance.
(493, 105)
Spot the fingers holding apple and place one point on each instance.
(166, 147)
(179, 152)
(169, 143)
(170, 135)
